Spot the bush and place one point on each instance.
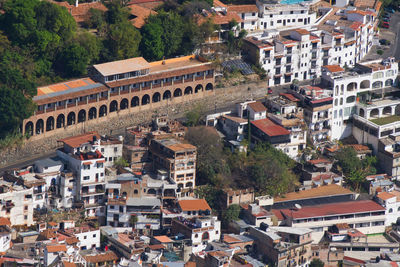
(379, 52)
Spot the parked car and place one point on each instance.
(269, 90)
(384, 42)
(386, 19)
(385, 25)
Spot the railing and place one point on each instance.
(209, 76)
(124, 92)
(156, 85)
(178, 81)
(199, 78)
(81, 103)
(71, 105)
(113, 93)
(146, 88)
(50, 109)
(92, 100)
(103, 98)
(60, 107)
(167, 83)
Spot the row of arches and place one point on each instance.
(72, 118)
(366, 84)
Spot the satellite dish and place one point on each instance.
(297, 206)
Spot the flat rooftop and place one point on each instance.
(68, 87)
(175, 145)
(174, 63)
(386, 120)
(322, 191)
(122, 66)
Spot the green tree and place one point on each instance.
(347, 160)
(91, 44)
(97, 19)
(316, 263)
(123, 41)
(211, 194)
(74, 60)
(231, 214)
(121, 162)
(133, 220)
(152, 46)
(116, 12)
(14, 108)
(211, 159)
(194, 115)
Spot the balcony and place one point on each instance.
(103, 98)
(199, 78)
(124, 92)
(82, 103)
(114, 93)
(92, 100)
(71, 105)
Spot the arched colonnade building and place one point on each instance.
(119, 87)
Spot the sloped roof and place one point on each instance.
(270, 128)
(385, 196)
(141, 13)
(5, 221)
(56, 248)
(257, 107)
(78, 140)
(193, 204)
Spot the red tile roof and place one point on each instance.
(243, 8)
(385, 196)
(81, 12)
(332, 209)
(257, 107)
(5, 221)
(56, 248)
(78, 140)
(163, 239)
(68, 264)
(360, 148)
(104, 257)
(333, 68)
(270, 128)
(289, 97)
(141, 14)
(322, 191)
(319, 161)
(194, 204)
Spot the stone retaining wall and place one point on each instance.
(222, 97)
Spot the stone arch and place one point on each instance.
(188, 90)
(92, 113)
(342, 89)
(189, 184)
(135, 101)
(350, 99)
(39, 126)
(377, 84)
(145, 99)
(351, 87)
(377, 75)
(81, 115)
(113, 106)
(365, 84)
(387, 110)
(337, 89)
(29, 128)
(177, 92)
(156, 97)
(103, 111)
(71, 118)
(60, 121)
(198, 88)
(166, 95)
(389, 73)
(50, 124)
(361, 113)
(209, 86)
(374, 113)
(151, 191)
(336, 102)
(124, 104)
(389, 82)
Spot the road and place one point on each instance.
(395, 27)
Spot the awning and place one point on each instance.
(87, 163)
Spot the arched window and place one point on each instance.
(390, 210)
(377, 75)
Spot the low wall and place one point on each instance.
(118, 121)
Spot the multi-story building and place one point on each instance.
(289, 51)
(200, 230)
(82, 155)
(389, 155)
(118, 88)
(88, 236)
(284, 246)
(16, 203)
(5, 234)
(366, 216)
(359, 94)
(179, 160)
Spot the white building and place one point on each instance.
(88, 166)
(16, 203)
(389, 201)
(5, 235)
(367, 216)
(353, 93)
(289, 50)
(200, 230)
(88, 236)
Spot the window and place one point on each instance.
(84, 237)
(25, 208)
(102, 149)
(25, 217)
(110, 159)
(115, 149)
(94, 235)
(86, 167)
(390, 210)
(86, 178)
(279, 21)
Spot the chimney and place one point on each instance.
(76, 3)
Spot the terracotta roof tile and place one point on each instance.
(385, 196)
(141, 14)
(194, 204)
(289, 97)
(333, 68)
(302, 31)
(104, 257)
(81, 12)
(68, 264)
(71, 240)
(5, 221)
(243, 8)
(163, 239)
(360, 148)
(350, 207)
(78, 140)
(157, 247)
(235, 119)
(56, 248)
(322, 191)
(270, 128)
(257, 107)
